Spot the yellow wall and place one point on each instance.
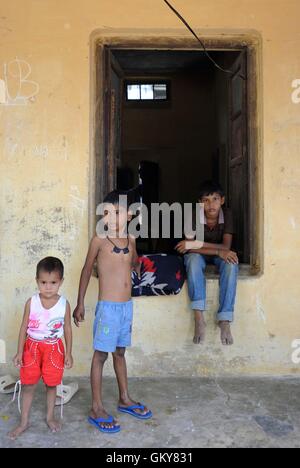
(44, 179)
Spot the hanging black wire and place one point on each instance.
(201, 42)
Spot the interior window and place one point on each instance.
(147, 92)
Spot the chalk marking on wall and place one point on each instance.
(2, 92)
(12, 148)
(40, 151)
(76, 202)
(260, 310)
(52, 150)
(64, 152)
(293, 223)
(19, 71)
(296, 92)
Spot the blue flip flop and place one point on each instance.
(131, 410)
(109, 420)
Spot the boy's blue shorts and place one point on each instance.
(113, 325)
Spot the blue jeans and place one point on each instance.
(195, 266)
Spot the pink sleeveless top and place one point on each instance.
(46, 324)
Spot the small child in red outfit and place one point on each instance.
(47, 319)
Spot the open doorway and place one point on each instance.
(173, 114)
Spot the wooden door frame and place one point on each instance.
(240, 160)
(180, 40)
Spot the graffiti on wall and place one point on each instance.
(16, 87)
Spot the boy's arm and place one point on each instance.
(22, 335)
(68, 337)
(204, 248)
(226, 245)
(221, 250)
(86, 274)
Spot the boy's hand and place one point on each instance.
(181, 247)
(68, 361)
(138, 267)
(184, 246)
(17, 360)
(78, 315)
(229, 256)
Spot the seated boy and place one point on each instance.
(216, 249)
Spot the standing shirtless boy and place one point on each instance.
(116, 256)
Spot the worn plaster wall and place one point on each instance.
(45, 178)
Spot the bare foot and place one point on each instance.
(13, 435)
(103, 414)
(226, 336)
(200, 329)
(54, 425)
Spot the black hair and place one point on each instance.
(50, 264)
(114, 197)
(209, 187)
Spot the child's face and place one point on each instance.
(49, 283)
(212, 204)
(116, 218)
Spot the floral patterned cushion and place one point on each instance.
(161, 275)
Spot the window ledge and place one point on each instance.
(245, 272)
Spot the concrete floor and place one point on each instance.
(223, 412)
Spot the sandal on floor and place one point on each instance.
(64, 393)
(7, 384)
(131, 410)
(98, 421)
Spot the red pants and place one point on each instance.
(42, 359)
